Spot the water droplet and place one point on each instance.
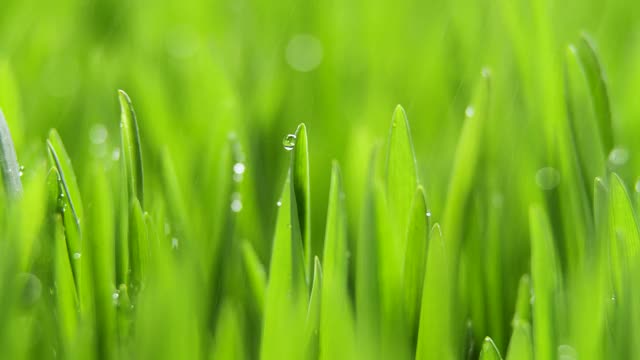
(115, 155)
(279, 203)
(236, 202)
(547, 178)
(77, 256)
(116, 297)
(428, 213)
(618, 156)
(638, 185)
(98, 134)
(238, 168)
(486, 72)
(304, 52)
(21, 170)
(174, 243)
(289, 142)
(469, 111)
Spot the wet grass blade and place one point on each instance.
(489, 350)
(415, 259)
(131, 148)
(138, 248)
(435, 333)
(9, 161)
(546, 284)
(70, 201)
(65, 290)
(302, 188)
(336, 341)
(401, 173)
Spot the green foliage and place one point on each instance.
(502, 220)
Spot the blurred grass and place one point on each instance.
(220, 83)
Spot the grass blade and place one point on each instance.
(435, 332)
(131, 148)
(286, 297)
(228, 342)
(312, 323)
(523, 301)
(415, 259)
(520, 345)
(302, 188)
(489, 350)
(546, 284)
(9, 161)
(401, 173)
(598, 88)
(336, 341)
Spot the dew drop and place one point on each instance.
(238, 168)
(116, 297)
(279, 203)
(21, 171)
(428, 213)
(77, 256)
(289, 142)
(469, 111)
(547, 178)
(618, 156)
(115, 155)
(174, 243)
(98, 134)
(236, 202)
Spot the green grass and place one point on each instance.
(494, 215)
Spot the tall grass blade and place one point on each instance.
(302, 188)
(131, 148)
(9, 161)
(489, 350)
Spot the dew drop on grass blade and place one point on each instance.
(71, 202)
(336, 341)
(301, 186)
(9, 161)
(489, 350)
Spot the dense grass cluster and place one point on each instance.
(502, 224)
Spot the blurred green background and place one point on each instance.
(200, 70)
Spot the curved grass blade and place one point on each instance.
(256, 275)
(312, 323)
(287, 296)
(9, 161)
(520, 344)
(546, 284)
(584, 125)
(301, 186)
(401, 173)
(489, 350)
(10, 101)
(131, 148)
(623, 233)
(336, 341)
(596, 78)
(415, 259)
(435, 332)
(65, 290)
